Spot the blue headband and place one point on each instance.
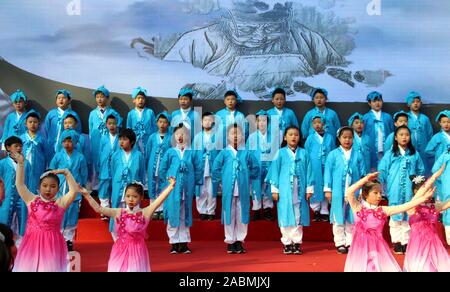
(18, 95)
(137, 91)
(354, 117)
(72, 134)
(411, 96)
(315, 90)
(374, 95)
(65, 92)
(101, 89)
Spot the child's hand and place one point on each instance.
(308, 196)
(18, 157)
(172, 182)
(60, 171)
(372, 176)
(275, 196)
(328, 196)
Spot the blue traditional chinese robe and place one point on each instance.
(155, 150)
(318, 153)
(395, 171)
(338, 176)
(187, 172)
(331, 123)
(230, 168)
(282, 173)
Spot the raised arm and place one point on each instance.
(148, 211)
(110, 212)
(70, 196)
(22, 189)
(350, 192)
(427, 193)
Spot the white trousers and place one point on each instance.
(343, 234)
(236, 231)
(181, 233)
(206, 203)
(320, 206)
(399, 231)
(293, 234)
(447, 234)
(265, 203)
(69, 233)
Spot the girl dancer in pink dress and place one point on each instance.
(129, 252)
(369, 251)
(43, 248)
(425, 251)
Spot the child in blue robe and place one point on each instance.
(181, 163)
(97, 127)
(73, 160)
(344, 167)
(377, 126)
(318, 145)
(234, 167)
(186, 114)
(15, 122)
(53, 124)
(264, 148)
(332, 123)
(397, 165)
(157, 145)
(109, 144)
(34, 149)
(141, 119)
(13, 211)
(400, 119)
(280, 113)
(205, 147)
(444, 188)
(421, 128)
(229, 116)
(292, 184)
(127, 166)
(360, 142)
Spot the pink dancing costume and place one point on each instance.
(129, 253)
(43, 248)
(369, 251)
(425, 252)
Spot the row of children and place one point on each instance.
(325, 168)
(43, 247)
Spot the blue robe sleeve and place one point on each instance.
(198, 169)
(217, 167)
(273, 176)
(253, 166)
(83, 171)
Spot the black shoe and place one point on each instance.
(69, 245)
(324, 217)
(174, 249)
(297, 249)
(287, 249)
(268, 214)
(404, 247)
(398, 248)
(342, 249)
(256, 215)
(231, 249)
(239, 248)
(184, 248)
(211, 217)
(316, 217)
